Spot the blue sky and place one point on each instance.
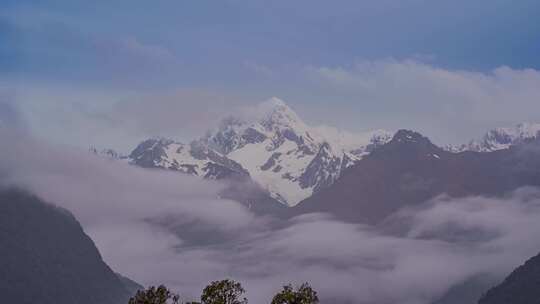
(252, 50)
(218, 36)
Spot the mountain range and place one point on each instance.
(410, 170)
(283, 155)
(286, 160)
(500, 138)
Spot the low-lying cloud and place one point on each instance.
(414, 257)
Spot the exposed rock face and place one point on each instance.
(323, 170)
(47, 257)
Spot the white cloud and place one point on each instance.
(259, 69)
(118, 119)
(152, 52)
(449, 106)
(446, 104)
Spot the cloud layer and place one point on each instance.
(445, 104)
(449, 106)
(162, 227)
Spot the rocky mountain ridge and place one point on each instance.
(410, 169)
(500, 138)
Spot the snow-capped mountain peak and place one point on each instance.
(277, 114)
(273, 120)
(501, 138)
(277, 149)
(522, 131)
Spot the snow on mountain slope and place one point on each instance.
(500, 138)
(355, 144)
(193, 159)
(285, 156)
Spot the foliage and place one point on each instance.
(226, 292)
(153, 295)
(223, 292)
(303, 295)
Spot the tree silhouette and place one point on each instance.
(223, 292)
(153, 295)
(303, 295)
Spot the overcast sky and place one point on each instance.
(450, 69)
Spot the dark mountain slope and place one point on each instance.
(410, 170)
(522, 286)
(469, 291)
(47, 258)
